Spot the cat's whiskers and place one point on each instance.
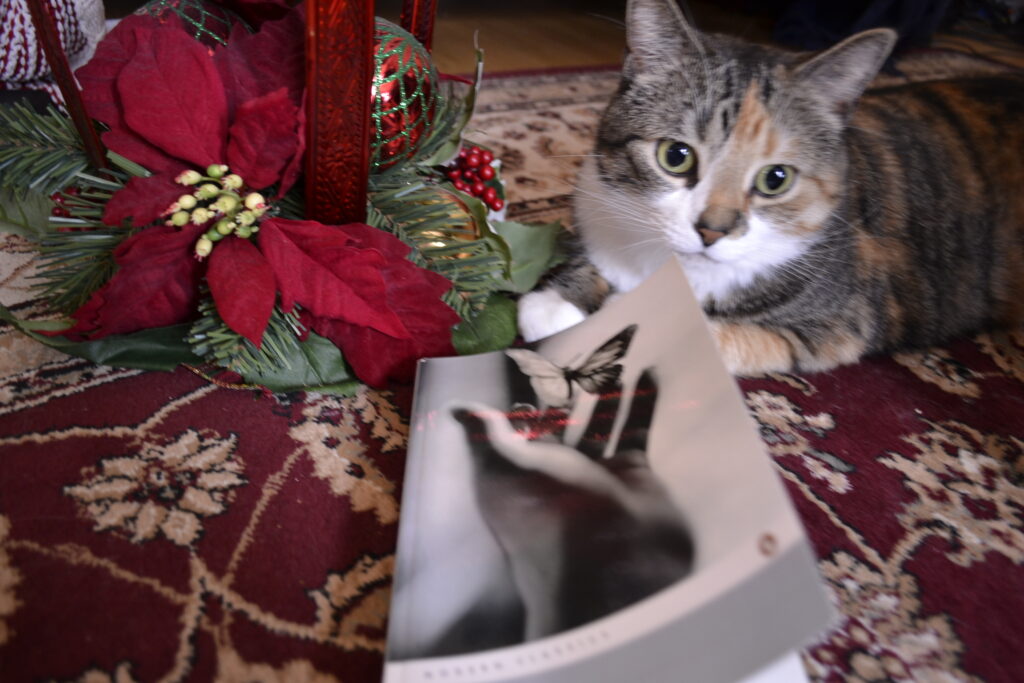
(639, 245)
(623, 219)
(636, 213)
(623, 216)
(623, 204)
(616, 220)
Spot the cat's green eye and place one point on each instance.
(772, 181)
(678, 158)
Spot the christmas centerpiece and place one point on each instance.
(191, 243)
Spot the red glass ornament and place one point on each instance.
(404, 95)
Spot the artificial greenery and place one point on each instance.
(282, 362)
(77, 250)
(50, 195)
(212, 340)
(444, 238)
(39, 152)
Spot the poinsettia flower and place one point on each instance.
(354, 284)
(213, 107)
(173, 104)
(156, 285)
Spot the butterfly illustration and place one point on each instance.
(598, 373)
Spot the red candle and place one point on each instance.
(339, 75)
(418, 19)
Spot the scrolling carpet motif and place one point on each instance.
(154, 527)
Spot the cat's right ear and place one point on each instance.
(657, 33)
(841, 73)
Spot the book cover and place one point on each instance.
(596, 507)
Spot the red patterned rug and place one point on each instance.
(154, 526)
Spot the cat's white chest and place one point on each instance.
(621, 235)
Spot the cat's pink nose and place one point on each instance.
(716, 222)
(709, 237)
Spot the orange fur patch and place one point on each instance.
(751, 350)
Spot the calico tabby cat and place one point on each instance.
(816, 223)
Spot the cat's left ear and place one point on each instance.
(841, 73)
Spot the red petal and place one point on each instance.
(98, 78)
(131, 146)
(393, 248)
(242, 286)
(294, 168)
(263, 138)
(157, 284)
(325, 271)
(172, 96)
(143, 200)
(259, 63)
(414, 294)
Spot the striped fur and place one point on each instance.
(904, 226)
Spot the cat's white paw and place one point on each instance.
(544, 312)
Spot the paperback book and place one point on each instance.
(596, 507)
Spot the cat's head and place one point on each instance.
(731, 151)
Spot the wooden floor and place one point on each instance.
(551, 34)
(522, 35)
(546, 34)
(525, 34)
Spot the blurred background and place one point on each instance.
(550, 34)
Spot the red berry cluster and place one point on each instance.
(58, 199)
(470, 173)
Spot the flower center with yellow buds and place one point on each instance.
(217, 199)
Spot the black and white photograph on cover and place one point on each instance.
(595, 508)
(586, 528)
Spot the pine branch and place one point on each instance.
(38, 152)
(293, 204)
(444, 237)
(212, 340)
(77, 250)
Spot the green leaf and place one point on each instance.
(534, 250)
(490, 329)
(478, 210)
(319, 366)
(127, 165)
(161, 348)
(24, 213)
